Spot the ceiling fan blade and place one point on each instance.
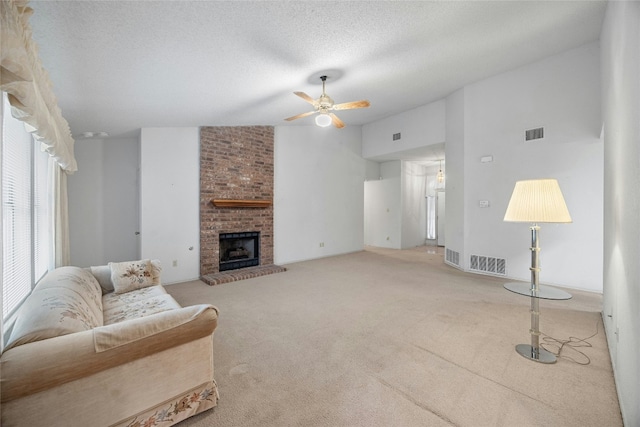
(299, 116)
(351, 105)
(306, 97)
(336, 121)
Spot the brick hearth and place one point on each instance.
(241, 274)
(235, 163)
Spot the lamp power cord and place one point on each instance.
(556, 346)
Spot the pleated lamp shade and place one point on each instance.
(537, 200)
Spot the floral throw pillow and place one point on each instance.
(131, 275)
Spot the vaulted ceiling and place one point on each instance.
(118, 66)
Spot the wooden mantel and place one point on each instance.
(245, 203)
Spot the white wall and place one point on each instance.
(372, 170)
(170, 200)
(455, 225)
(318, 192)
(561, 94)
(395, 207)
(103, 204)
(620, 55)
(383, 207)
(414, 205)
(419, 127)
(109, 201)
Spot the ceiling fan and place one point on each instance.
(325, 105)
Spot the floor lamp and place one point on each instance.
(536, 201)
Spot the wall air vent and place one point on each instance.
(452, 257)
(396, 136)
(489, 265)
(532, 134)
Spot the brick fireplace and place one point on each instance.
(236, 169)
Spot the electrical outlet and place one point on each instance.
(322, 244)
(175, 263)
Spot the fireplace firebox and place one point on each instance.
(239, 250)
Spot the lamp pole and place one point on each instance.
(533, 351)
(535, 288)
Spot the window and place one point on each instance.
(25, 213)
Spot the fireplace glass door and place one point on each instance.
(239, 250)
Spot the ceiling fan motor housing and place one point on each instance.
(325, 103)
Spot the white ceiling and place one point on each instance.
(118, 66)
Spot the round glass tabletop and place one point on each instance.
(544, 292)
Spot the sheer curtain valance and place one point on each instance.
(28, 86)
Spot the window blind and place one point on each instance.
(26, 215)
(42, 224)
(17, 147)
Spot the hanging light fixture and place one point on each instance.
(440, 174)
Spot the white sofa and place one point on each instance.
(107, 346)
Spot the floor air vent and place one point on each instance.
(452, 257)
(489, 265)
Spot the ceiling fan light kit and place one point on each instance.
(323, 120)
(324, 105)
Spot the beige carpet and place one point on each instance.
(397, 338)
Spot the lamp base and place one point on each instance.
(540, 355)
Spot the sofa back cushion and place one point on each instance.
(102, 273)
(66, 300)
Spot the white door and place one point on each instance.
(440, 219)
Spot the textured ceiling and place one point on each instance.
(118, 66)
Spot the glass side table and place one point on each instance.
(534, 351)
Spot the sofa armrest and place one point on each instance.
(128, 332)
(41, 365)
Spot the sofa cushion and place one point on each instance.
(65, 301)
(113, 300)
(131, 275)
(145, 307)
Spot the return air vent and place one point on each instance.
(485, 264)
(531, 134)
(452, 257)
